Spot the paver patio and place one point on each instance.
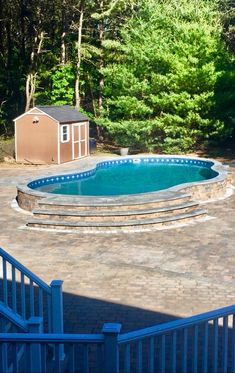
(138, 279)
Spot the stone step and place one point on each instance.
(115, 203)
(117, 225)
(97, 215)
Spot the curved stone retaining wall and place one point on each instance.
(200, 191)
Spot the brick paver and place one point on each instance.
(138, 279)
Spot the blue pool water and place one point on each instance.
(127, 177)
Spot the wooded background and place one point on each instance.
(155, 75)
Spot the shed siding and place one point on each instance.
(66, 147)
(85, 146)
(37, 143)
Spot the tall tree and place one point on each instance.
(79, 53)
(155, 71)
(160, 91)
(109, 16)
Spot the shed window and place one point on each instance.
(65, 133)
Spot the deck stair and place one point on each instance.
(138, 212)
(11, 321)
(24, 295)
(199, 343)
(30, 306)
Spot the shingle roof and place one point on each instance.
(63, 113)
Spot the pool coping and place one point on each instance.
(214, 188)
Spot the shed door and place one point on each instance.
(79, 140)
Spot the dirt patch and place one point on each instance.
(7, 149)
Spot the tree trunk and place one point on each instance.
(22, 28)
(32, 75)
(101, 64)
(63, 49)
(30, 90)
(63, 33)
(92, 95)
(79, 57)
(101, 87)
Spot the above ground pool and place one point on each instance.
(128, 176)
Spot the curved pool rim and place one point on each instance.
(200, 190)
(58, 181)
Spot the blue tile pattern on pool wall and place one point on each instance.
(106, 164)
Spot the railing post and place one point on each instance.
(111, 353)
(57, 314)
(57, 307)
(35, 325)
(3, 357)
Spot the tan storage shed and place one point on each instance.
(51, 134)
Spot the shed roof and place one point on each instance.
(63, 113)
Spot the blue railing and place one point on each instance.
(26, 295)
(42, 353)
(202, 343)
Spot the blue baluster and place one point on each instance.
(233, 345)
(85, 359)
(14, 358)
(225, 344)
(163, 353)
(13, 279)
(71, 355)
(195, 349)
(44, 358)
(58, 368)
(22, 291)
(151, 355)
(174, 352)
(185, 351)
(27, 357)
(100, 354)
(3, 357)
(127, 358)
(40, 302)
(205, 348)
(5, 285)
(31, 299)
(49, 311)
(215, 347)
(140, 357)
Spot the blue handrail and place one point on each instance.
(200, 343)
(204, 342)
(25, 271)
(51, 338)
(192, 344)
(36, 345)
(13, 318)
(176, 324)
(30, 296)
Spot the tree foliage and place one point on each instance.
(152, 74)
(166, 76)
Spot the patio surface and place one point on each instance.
(138, 279)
